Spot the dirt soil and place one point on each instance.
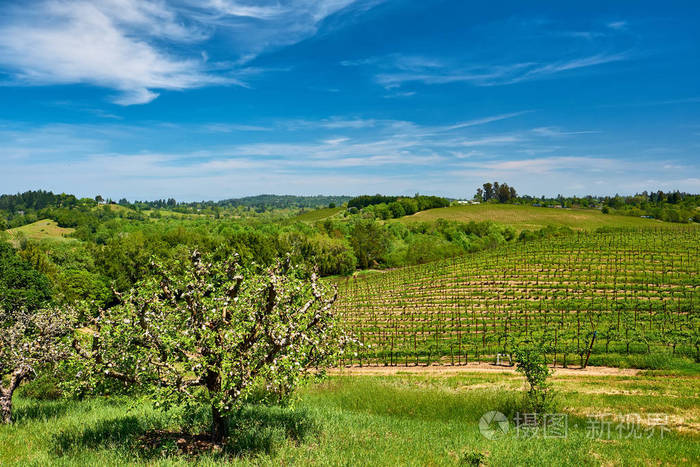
(477, 368)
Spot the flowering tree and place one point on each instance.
(29, 340)
(214, 332)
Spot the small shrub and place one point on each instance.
(44, 388)
(473, 458)
(530, 360)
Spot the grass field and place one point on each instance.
(531, 218)
(40, 230)
(318, 214)
(114, 207)
(402, 419)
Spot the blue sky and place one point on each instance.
(211, 99)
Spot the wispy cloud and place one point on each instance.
(548, 165)
(556, 132)
(682, 100)
(566, 65)
(527, 50)
(485, 120)
(139, 47)
(56, 42)
(389, 156)
(487, 74)
(333, 123)
(617, 25)
(232, 127)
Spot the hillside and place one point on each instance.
(282, 201)
(318, 214)
(531, 218)
(637, 289)
(40, 230)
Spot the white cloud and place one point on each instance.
(188, 176)
(334, 141)
(232, 127)
(437, 72)
(333, 123)
(485, 120)
(551, 164)
(254, 26)
(565, 65)
(89, 42)
(508, 59)
(138, 47)
(490, 140)
(391, 156)
(554, 132)
(617, 25)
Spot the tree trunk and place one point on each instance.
(219, 427)
(5, 407)
(6, 395)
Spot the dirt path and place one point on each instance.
(477, 368)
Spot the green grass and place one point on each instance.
(165, 214)
(114, 207)
(532, 218)
(375, 420)
(318, 214)
(40, 230)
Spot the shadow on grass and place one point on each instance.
(120, 432)
(39, 410)
(253, 431)
(264, 429)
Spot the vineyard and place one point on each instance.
(615, 292)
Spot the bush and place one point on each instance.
(530, 360)
(473, 458)
(44, 388)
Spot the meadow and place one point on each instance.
(408, 418)
(45, 229)
(531, 218)
(315, 215)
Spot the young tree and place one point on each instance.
(531, 362)
(28, 341)
(214, 332)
